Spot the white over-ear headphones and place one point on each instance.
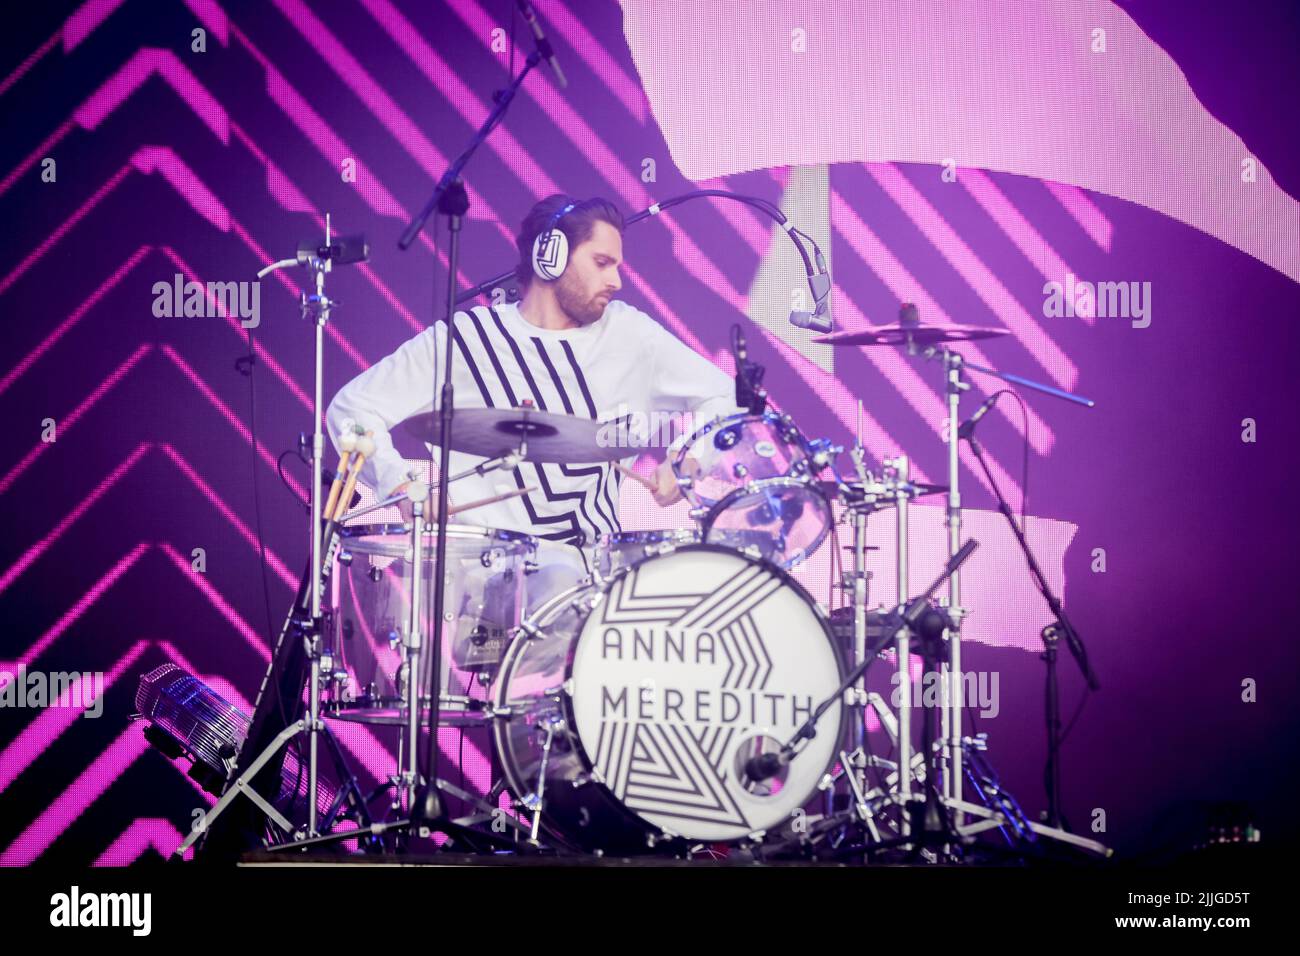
(551, 248)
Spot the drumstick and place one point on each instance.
(347, 444)
(457, 509)
(645, 482)
(365, 448)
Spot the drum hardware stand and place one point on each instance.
(767, 765)
(954, 385)
(418, 492)
(375, 833)
(305, 617)
(989, 790)
(954, 749)
(535, 801)
(316, 307)
(348, 794)
(895, 489)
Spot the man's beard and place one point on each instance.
(571, 301)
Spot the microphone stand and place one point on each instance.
(1061, 626)
(427, 809)
(450, 199)
(502, 98)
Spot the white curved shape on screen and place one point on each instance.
(1008, 86)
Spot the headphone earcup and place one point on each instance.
(550, 254)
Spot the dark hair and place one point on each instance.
(577, 225)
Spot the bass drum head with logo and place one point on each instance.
(655, 688)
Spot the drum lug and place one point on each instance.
(531, 567)
(757, 836)
(529, 630)
(855, 697)
(567, 687)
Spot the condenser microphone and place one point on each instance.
(819, 319)
(543, 45)
(968, 427)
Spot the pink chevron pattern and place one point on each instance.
(212, 164)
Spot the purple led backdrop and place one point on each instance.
(211, 164)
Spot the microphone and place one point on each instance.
(968, 427)
(819, 284)
(343, 251)
(763, 767)
(749, 377)
(543, 44)
(740, 355)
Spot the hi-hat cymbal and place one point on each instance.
(898, 334)
(915, 489)
(490, 432)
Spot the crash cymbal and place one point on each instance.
(490, 432)
(899, 334)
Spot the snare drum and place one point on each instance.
(755, 474)
(483, 603)
(627, 709)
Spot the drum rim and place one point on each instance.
(706, 524)
(632, 537)
(725, 421)
(767, 417)
(355, 537)
(566, 698)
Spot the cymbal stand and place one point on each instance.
(871, 495)
(409, 672)
(950, 671)
(317, 307)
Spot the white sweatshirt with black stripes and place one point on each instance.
(624, 367)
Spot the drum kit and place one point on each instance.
(680, 694)
(687, 696)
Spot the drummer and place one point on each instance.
(569, 347)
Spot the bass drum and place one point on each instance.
(630, 707)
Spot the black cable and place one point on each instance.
(257, 498)
(756, 202)
(1078, 711)
(284, 480)
(514, 11)
(1024, 481)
